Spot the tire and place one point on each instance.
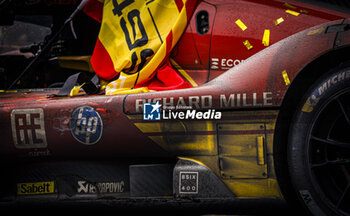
(318, 151)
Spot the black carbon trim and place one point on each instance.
(194, 180)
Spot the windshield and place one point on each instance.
(26, 31)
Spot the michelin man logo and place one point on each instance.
(151, 111)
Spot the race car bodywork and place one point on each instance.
(226, 138)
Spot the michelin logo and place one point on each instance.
(151, 111)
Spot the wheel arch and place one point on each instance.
(302, 82)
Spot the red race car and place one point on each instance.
(267, 119)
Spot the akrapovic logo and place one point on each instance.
(103, 187)
(36, 188)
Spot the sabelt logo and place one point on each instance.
(36, 188)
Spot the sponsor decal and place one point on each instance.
(104, 187)
(206, 101)
(36, 188)
(188, 183)
(38, 153)
(28, 128)
(332, 81)
(320, 90)
(241, 100)
(217, 63)
(86, 125)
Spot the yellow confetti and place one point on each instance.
(285, 77)
(304, 11)
(294, 13)
(266, 37)
(103, 84)
(75, 90)
(289, 6)
(241, 25)
(247, 44)
(278, 21)
(11, 91)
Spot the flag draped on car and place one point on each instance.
(135, 40)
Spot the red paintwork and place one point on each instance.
(257, 77)
(59, 138)
(227, 38)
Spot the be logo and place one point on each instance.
(151, 111)
(86, 125)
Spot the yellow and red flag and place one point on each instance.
(135, 40)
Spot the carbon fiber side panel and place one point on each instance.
(151, 180)
(192, 179)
